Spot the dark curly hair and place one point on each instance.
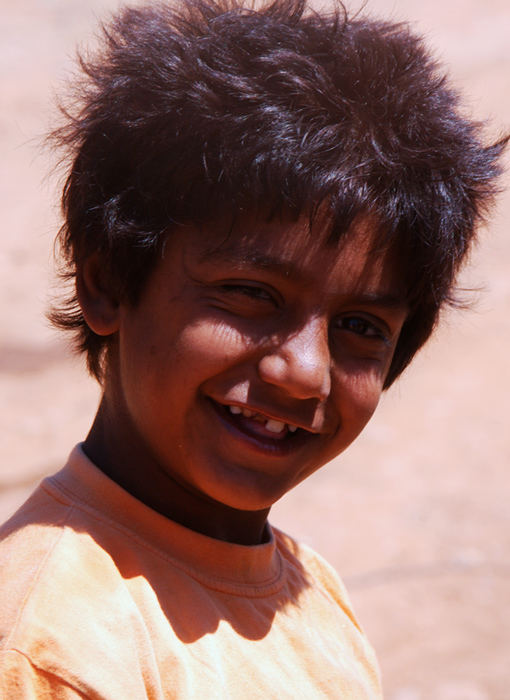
(202, 108)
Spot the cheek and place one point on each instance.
(182, 355)
(359, 394)
(207, 347)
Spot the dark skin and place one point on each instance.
(117, 451)
(114, 446)
(249, 362)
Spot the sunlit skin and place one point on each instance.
(268, 319)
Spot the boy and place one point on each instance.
(264, 213)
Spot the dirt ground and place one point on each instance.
(416, 516)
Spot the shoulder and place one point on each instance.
(49, 565)
(327, 611)
(66, 612)
(316, 570)
(27, 541)
(58, 553)
(53, 562)
(313, 563)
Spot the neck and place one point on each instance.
(115, 448)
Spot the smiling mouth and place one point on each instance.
(262, 428)
(276, 428)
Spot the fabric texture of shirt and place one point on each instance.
(103, 598)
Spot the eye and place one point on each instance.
(251, 291)
(362, 327)
(243, 293)
(246, 298)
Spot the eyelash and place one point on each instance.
(375, 331)
(251, 291)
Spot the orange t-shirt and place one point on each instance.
(102, 597)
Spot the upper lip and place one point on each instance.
(274, 415)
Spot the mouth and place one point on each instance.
(262, 431)
(261, 424)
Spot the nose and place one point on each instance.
(300, 363)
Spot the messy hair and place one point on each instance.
(192, 111)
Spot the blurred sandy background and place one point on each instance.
(416, 516)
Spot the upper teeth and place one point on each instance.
(274, 426)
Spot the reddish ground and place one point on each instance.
(416, 515)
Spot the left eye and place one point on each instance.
(361, 326)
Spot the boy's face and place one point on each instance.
(257, 355)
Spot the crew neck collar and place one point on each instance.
(214, 562)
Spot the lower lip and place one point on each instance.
(277, 446)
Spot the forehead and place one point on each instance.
(300, 250)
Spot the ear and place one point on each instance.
(99, 306)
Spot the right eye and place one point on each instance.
(250, 291)
(249, 299)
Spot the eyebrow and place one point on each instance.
(390, 301)
(249, 259)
